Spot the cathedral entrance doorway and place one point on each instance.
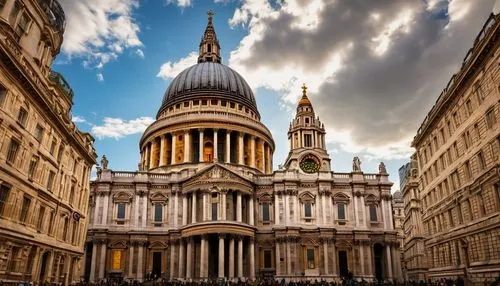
(343, 266)
(156, 264)
(378, 254)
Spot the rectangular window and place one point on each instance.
(3, 92)
(60, 153)
(12, 151)
(14, 262)
(479, 93)
(341, 210)
(65, 229)
(14, 12)
(373, 213)
(120, 211)
(32, 167)
(39, 132)
(469, 107)
(74, 232)
(307, 210)
(490, 118)
(25, 209)
(310, 258)
(116, 260)
(39, 222)
(4, 197)
(72, 193)
(268, 259)
(480, 161)
(307, 140)
(468, 173)
(214, 211)
(158, 213)
(50, 181)
(22, 26)
(53, 147)
(22, 116)
(51, 222)
(265, 212)
(455, 119)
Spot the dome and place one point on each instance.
(208, 80)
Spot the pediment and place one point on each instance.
(217, 176)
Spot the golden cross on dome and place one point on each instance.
(304, 89)
(210, 14)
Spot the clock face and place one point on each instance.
(310, 164)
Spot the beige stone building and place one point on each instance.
(398, 217)
(206, 202)
(415, 263)
(45, 160)
(458, 167)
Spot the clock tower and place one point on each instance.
(306, 137)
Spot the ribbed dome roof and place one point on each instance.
(209, 80)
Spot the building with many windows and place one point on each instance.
(398, 217)
(206, 203)
(45, 160)
(458, 147)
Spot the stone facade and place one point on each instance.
(206, 202)
(398, 216)
(458, 147)
(45, 160)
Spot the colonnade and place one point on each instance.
(207, 145)
(297, 139)
(205, 256)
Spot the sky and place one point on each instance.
(373, 68)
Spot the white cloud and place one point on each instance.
(139, 53)
(172, 69)
(99, 31)
(180, 3)
(78, 119)
(117, 128)
(100, 77)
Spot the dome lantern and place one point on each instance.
(209, 45)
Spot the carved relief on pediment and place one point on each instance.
(217, 176)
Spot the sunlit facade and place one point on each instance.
(206, 202)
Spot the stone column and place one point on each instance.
(384, 218)
(140, 261)
(146, 157)
(175, 215)
(286, 209)
(93, 264)
(131, 261)
(252, 258)
(96, 209)
(50, 264)
(277, 257)
(325, 256)
(223, 206)
(144, 209)
(240, 256)
(172, 260)
(263, 159)
(241, 152)
(389, 261)
(136, 209)
(67, 265)
(181, 259)
(363, 211)
(200, 157)
(187, 146)
(204, 208)
(238, 207)
(251, 213)
(184, 210)
(390, 223)
(105, 209)
(252, 152)
(193, 208)
(228, 146)
(231, 258)
(162, 150)
(151, 154)
(189, 258)
(276, 209)
(356, 220)
(334, 256)
(370, 261)
(221, 256)
(203, 258)
(288, 258)
(173, 160)
(216, 138)
(102, 260)
(362, 258)
(323, 207)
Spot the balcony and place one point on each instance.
(55, 14)
(59, 80)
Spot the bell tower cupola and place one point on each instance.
(306, 138)
(209, 45)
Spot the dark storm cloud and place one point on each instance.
(381, 99)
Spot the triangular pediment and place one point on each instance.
(219, 176)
